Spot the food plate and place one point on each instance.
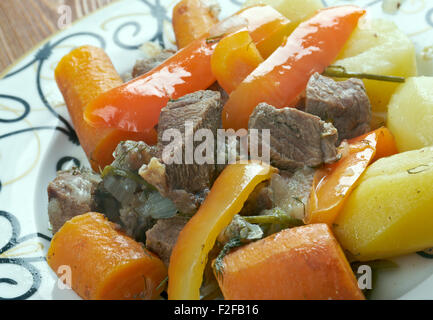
(36, 137)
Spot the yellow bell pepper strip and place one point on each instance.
(191, 19)
(234, 58)
(281, 78)
(135, 106)
(226, 198)
(334, 182)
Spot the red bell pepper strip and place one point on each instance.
(334, 182)
(136, 105)
(279, 80)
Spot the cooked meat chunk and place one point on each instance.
(131, 155)
(70, 194)
(286, 194)
(297, 139)
(185, 182)
(203, 109)
(163, 236)
(133, 223)
(143, 66)
(345, 104)
(260, 199)
(291, 192)
(224, 94)
(240, 229)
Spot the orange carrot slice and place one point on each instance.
(104, 263)
(191, 19)
(295, 264)
(81, 76)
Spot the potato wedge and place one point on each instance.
(410, 114)
(294, 10)
(390, 212)
(379, 47)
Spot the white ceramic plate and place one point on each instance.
(36, 137)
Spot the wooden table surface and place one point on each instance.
(25, 23)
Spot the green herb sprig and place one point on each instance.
(341, 72)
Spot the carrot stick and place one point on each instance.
(302, 263)
(104, 263)
(191, 19)
(81, 76)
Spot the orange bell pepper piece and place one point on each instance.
(281, 78)
(226, 198)
(81, 76)
(333, 183)
(302, 263)
(104, 263)
(191, 19)
(136, 105)
(234, 58)
(271, 30)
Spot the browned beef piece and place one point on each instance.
(185, 184)
(297, 139)
(143, 66)
(291, 191)
(70, 194)
(345, 104)
(260, 199)
(224, 95)
(131, 155)
(163, 236)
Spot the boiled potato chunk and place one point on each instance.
(390, 213)
(379, 47)
(410, 114)
(294, 10)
